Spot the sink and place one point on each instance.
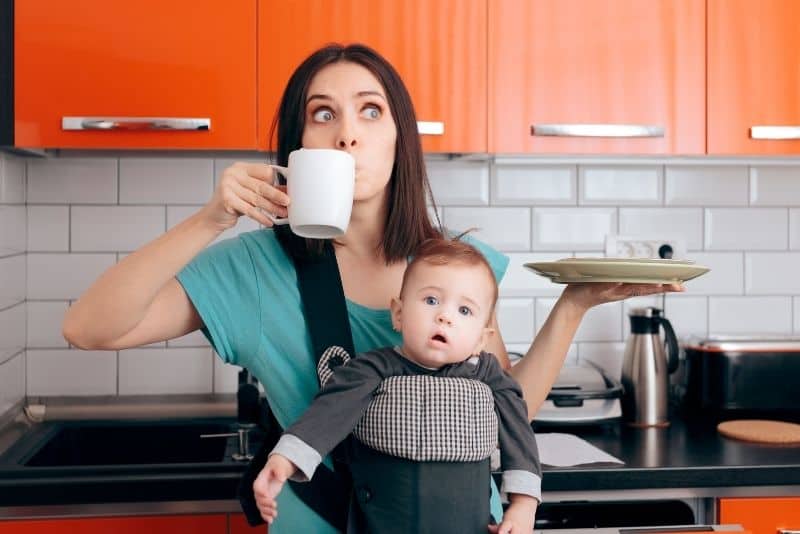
(129, 443)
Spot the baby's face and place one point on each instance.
(444, 312)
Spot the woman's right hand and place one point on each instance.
(246, 189)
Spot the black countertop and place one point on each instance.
(684, 456)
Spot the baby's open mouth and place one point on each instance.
(440, 338)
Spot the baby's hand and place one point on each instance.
(268, 485)
(518, 517)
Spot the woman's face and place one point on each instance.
(347, 109)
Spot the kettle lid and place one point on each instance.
(649, 311)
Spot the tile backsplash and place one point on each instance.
(65, 219)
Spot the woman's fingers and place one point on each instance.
(261, 204)
(275, 194)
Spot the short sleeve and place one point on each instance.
(497, 260)
(222, 284)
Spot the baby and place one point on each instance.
(425, 416)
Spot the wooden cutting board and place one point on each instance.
(761, 431)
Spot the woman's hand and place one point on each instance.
(588, 294)
(246, 189)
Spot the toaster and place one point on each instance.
(757, 375)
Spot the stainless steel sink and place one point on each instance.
(94, 443)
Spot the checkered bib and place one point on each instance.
(426, 418)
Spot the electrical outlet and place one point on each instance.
(620, 246)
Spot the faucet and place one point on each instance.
(248, 411)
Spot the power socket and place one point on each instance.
(619, 246)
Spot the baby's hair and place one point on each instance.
(443, 251)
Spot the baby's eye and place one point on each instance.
(431, 301)
(371, 112)
(464, 310)
(323, 115)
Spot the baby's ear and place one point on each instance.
(396, 309)
(486, 335)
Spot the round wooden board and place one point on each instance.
(761, 431)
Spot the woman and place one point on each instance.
(242, 292)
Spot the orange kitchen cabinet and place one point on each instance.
(770, 515)
(132, 60)
(238, 525)
(439, 49)
(569, 66)
(166, 524)
(753, 76)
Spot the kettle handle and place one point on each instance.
(672, 345)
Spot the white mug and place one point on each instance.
(320, 183)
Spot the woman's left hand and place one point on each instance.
(588, 294)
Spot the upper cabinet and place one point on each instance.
(439, 49)
(144, 74)
(753, 77)
(597, 76)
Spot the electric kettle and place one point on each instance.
(646, 368)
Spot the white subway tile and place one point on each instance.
(534, 184)
(572, 228)
(601, 323)
(12, 280)
(58, 372)
(683, 223)
(12, 179)
(794, 229)
(688, 315)
(165, 371)
(772, 273)
(226, 376)
(76, 272)
(515, 318)
(750, 315)
(607, 356)
(12, 382)
(617, 185)
(44, 324)
(746, 229)
(796, 315)
(706, 185)
(48, 228)
(114, 228)
(72, 181)
(13, 231)
(12, 331)
(177, 214)
(165, 180)
(775, 185)
(520, 281)
(493, 225)
(459, 182)
(726, 276)
(192, 339)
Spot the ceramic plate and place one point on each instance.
(629, 270)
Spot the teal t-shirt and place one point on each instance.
(245, 291)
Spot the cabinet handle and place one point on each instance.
(430, 127)
(775, 132)
(134, 123)
(788, 531)
(598, 130)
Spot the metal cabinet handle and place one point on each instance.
(598, 130)
(430, 127)
(134, 123)
(788, 531)
(775, 132)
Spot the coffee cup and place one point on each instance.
(320, 183)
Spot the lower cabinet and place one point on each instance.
(238, 525)
(762, 515)
(162, 524)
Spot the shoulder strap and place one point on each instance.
(325, 310)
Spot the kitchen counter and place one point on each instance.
(686, 459)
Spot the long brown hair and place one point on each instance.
(407, 222)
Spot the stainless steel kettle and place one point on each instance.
(646, 368)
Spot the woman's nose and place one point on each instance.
(346, 141)
(347, 134)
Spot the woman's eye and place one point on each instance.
(464, 310)
(371, 112)
(431, 301)
(323, 115)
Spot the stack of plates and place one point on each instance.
(627, 270)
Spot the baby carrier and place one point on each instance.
(372, 488)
